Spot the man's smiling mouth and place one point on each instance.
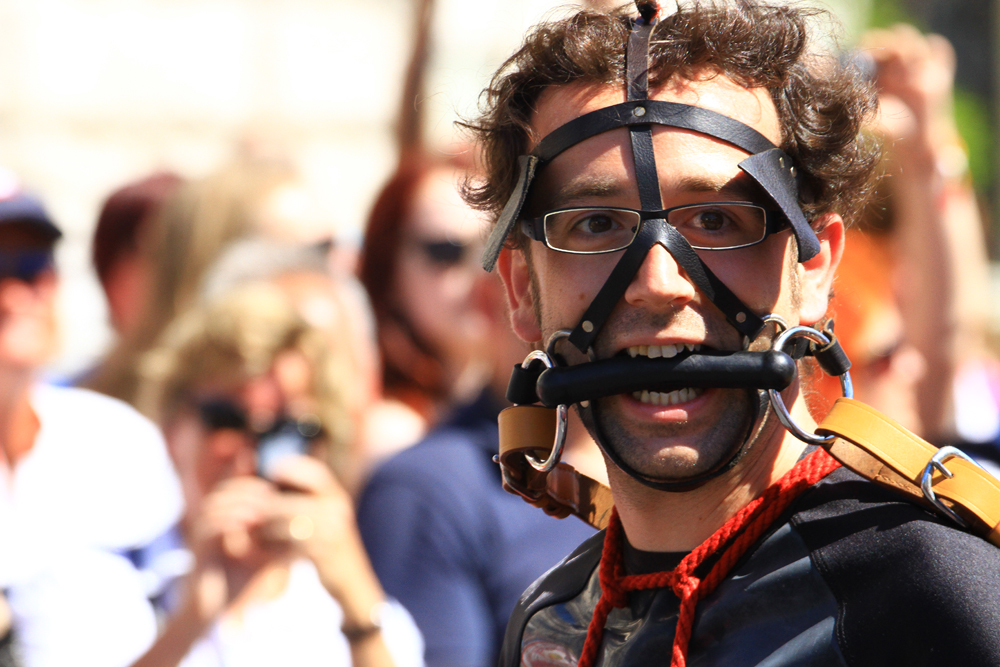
(665, 351)
(668, 351)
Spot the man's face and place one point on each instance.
(28, 321)
(686, 433)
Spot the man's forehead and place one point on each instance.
(558, 105)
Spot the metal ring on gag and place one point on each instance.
(778, 403)
(562, 411)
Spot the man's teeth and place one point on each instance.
(666, 351)
(667, 398)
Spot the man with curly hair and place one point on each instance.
(670, 194)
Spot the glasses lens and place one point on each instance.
(591, 230)
(443, 253)
(715, 226)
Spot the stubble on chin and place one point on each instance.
(676, 451)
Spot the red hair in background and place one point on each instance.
(412, 371)
(862, 291)
(124, 217)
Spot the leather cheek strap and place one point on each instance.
(652, 232)
(896, 458)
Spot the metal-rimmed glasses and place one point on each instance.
(706, 226)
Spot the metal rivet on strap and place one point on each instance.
(639, 111)
(781, 161)
(588, 326)
(741, 317)
(792, 171)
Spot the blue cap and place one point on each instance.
(17, 206)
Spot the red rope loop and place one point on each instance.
(740, 533)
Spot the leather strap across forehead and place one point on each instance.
(657, 112)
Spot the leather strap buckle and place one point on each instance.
(927, 485)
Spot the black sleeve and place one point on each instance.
(911, 589)
(562, 582)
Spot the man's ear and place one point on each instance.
(817, 273)
(513, 268)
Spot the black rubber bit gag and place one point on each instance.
(521, 388)
(624, 375)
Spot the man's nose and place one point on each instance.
(660, 282)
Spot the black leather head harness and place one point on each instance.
(768, 166)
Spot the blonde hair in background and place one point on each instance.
(188, 235)
(238, 336)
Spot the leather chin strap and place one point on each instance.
(761, 408)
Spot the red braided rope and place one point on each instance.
(747, 526)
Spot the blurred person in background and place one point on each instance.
(444, 537)
(331, 301)
(418, 264)
(278, 566)
(251, 195)
(86, 482)
(127, 216)
(912, 293)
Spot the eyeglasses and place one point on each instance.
(706, 226)
(24, 265)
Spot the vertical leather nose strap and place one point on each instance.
(637, 88)
(657, 230)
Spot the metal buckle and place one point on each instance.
(937, 463)
(778, 403)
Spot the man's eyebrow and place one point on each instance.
(739, 188)
(587, 188)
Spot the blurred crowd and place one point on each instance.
(286, 456)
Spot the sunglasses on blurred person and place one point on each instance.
(282, 438)
(443, 254)
(24, 264)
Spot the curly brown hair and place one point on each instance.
(821, 106)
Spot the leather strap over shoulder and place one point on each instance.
(892, 456)
(560, 492)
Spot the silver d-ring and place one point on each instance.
(562, 414)
(550, 345)
(562, 411)
(778, 403)
(537, 355)
(779, 325)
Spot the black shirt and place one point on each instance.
(851, 574)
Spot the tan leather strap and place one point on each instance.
(560, 492)
(895, 457)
